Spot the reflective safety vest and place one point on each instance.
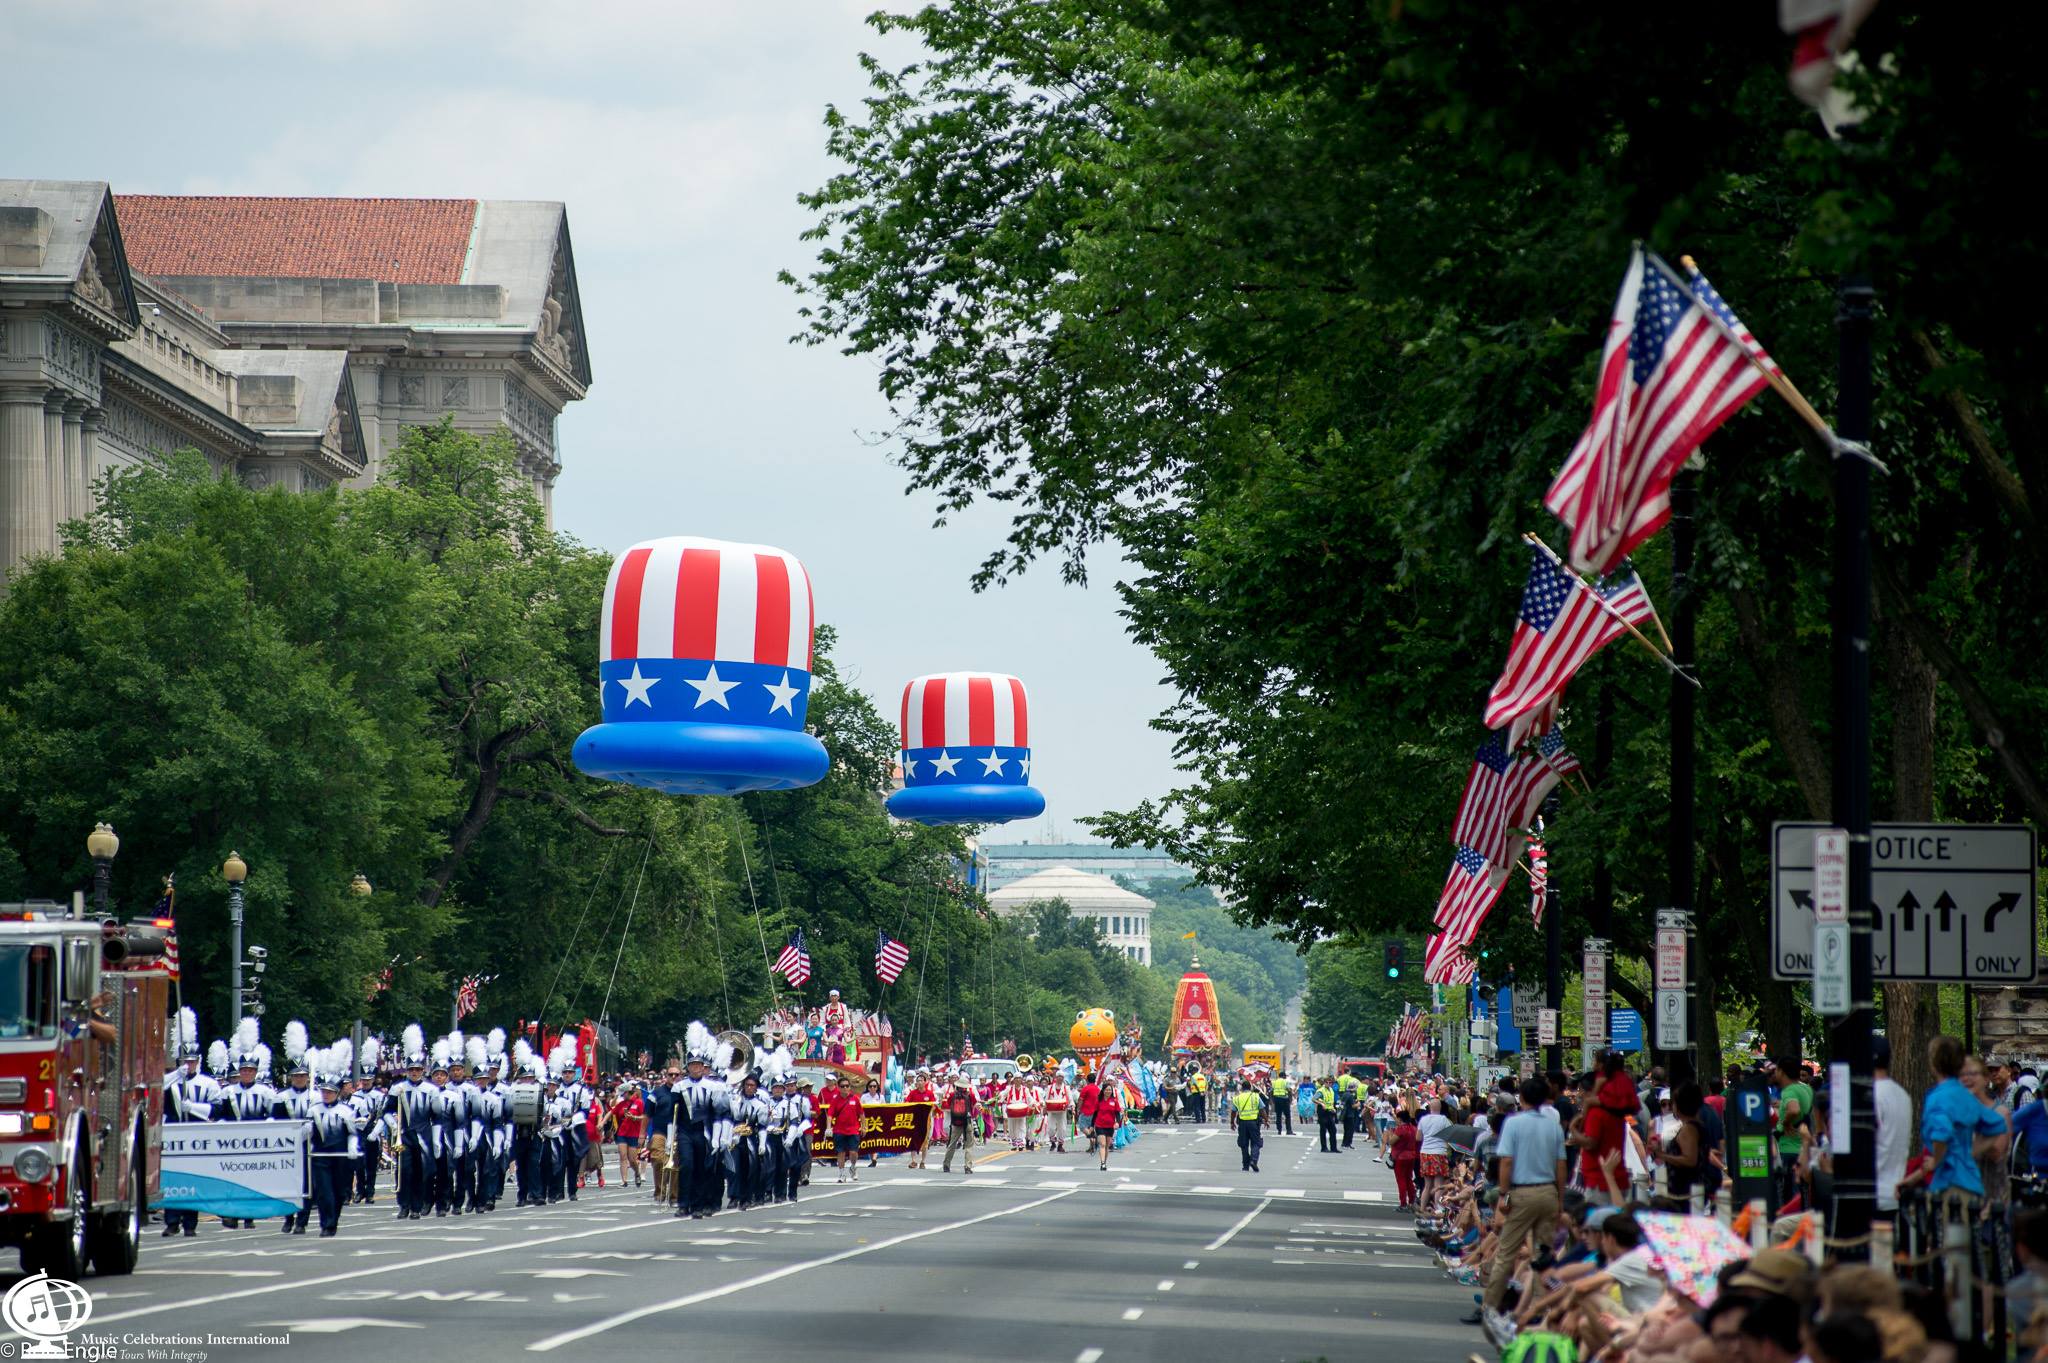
(1246, 1105)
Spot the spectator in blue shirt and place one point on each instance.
(2031, 1121)
(1955, 1128)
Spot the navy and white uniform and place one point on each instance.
(335, 1155)
(189, 1096)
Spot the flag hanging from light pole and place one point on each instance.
(890, 958)
(794, 964)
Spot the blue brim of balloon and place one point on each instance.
(966, 804)
(701, 759)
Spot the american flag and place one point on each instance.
(1415, 1030)
(1502, 793)
(1445, 962)
(466, 994)
(795, 963)
(1677, 363)
(1469, 892)
(1563, 622)
(1550, 747)
(890, 958)
(1539, 877)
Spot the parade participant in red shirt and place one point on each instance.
(1109, 1114)
(629, 1117)
(846, 1114)
(921, 1091)
(1091, 1097)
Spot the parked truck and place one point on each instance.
(84, 1021)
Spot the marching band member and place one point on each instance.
(752, 1117)
(1016, 1110)
(462, 1127)
(371, 1101)
(295, 1104)
(334, 1154)
(1059, 1102)
(494, 1135)
(248, 1099)
(554, 1122)
(189, 1096)
(796, 1138)
(698, 1100)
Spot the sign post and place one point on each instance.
(1546, 1026)
(1949, 903)
(1673, 1033)
(1593, 1023)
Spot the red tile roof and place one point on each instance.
(396, 241)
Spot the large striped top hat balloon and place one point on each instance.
(966, 750)
(704, 657)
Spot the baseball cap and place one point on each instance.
(1595, 1215)
(1779, 1272)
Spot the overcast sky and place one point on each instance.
(679, 134)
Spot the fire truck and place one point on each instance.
(84, 1022)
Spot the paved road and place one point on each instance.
(1172, 1255)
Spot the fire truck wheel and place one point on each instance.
(59, 1246)
(117, 1236)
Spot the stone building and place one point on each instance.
(291, 340)
(1125, 917)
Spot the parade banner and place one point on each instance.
(885, 1129)
(234, 1169)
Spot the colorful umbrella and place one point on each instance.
(1691, 1250)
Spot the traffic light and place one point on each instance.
(1393, 950)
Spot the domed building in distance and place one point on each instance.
(1126, 917)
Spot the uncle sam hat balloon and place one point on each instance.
(966, 751)
(704, 657)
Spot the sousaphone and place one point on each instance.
(742, 1054)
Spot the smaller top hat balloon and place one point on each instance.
(704, 659)
(966, 751)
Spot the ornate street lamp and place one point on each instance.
(234, 870)
(102, 846)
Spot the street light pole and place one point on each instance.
(235, 870)
(1849, 1036)
(102, 846)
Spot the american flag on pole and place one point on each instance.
(1445, 962)
(1677, 363)
(890, 958)
(1551, 749)
(1410, 1032)
(1469, 892)
(465, 996)
(794, 964)
(1563, 622)
(1539, 877)
(1502, 793)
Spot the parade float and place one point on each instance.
(966, 751)
(1196, 1032)
(831, 1040)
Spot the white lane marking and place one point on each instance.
(210, 1273)
(599, 1327)
(1137, 1188)
(565, 1274)
(334, 1325)
(903, 1182)
(1058, 1183)
(1364, 1195)
(1133, 1312)
(371, 1270)
(1287, 1192)
(1088, 1356)
(1165, 1285)
(1220, 1241)
(1211, 1188)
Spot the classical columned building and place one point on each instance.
(288, 340)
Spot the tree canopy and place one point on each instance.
(1296, 305)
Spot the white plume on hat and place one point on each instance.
(217, 1057)
(247, 1034)
(262, 1058)
(699, 1043)
(440, 1052)
(563, 1055)
(415, 1043)
(341, 1057)
(373, 1048)
(455, 1044)
(188, 1028)
(494, 1044)
(722, 1057)
(778, 1066)
(294, 1040)
(522, 1056)
(315, 1060)
(476, 1052)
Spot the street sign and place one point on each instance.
(1594, 980)
(1831, 969)
(1627, 1030)
(1948, 901)
(1831, 876)
(1527, 1004)
(1546, 1026)
(1528, 1064)
(1670, 956)
(1672, 1033)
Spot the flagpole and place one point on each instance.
(1608, 606)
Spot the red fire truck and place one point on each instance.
(84, 1016)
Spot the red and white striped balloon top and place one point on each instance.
(684, 597)
(965, 709)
